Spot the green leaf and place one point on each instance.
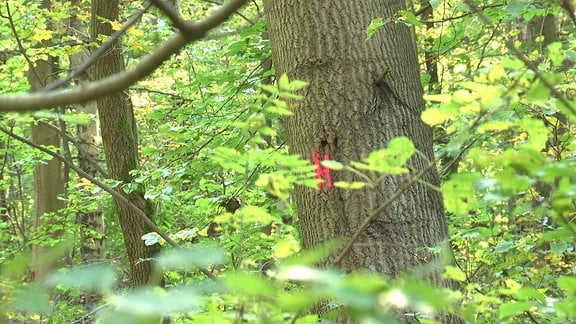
(494, 125)
(32, 299)
(454, 273)
(459, 193)
(296, 85)
(333, 165)
(558, 248)
(249, 285)
(516, 7)
(537, 133)
(286, 248)
(254, 214)
(503, 246)
(278, 110)
(530, 293)
(390, 160)
(276, 184)
(92, 277)
(555, 53)
(435, 3)
(189, 258)
(350, 185)
(567, 283)
(513, 308)
(313, 255)
(269, 88)
(283, 81)
(513, 63)
(148, 301)
(437, 97)
(539, 92)
(409, 18)
(285, 84)
(297, 300)
(435, 116)
(375, 25)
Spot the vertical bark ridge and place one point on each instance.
(118, 131)
(344, 113)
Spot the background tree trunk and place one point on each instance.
(118, 131)
(93, 230)
(48, 187)
(92, 222)
(48, 178)
(361, 94)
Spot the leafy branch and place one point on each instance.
(97, 53)
(379, 210)
(510, 45)
(389, 161)
(193, 31)
(116, 194)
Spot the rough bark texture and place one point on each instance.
(361, 94)
(118, 131)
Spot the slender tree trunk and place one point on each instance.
(118, 131)
(92, 222)
(93, 230)
(430, 57)
(48, 182)
(361, 94)
(48, 178)
(4, 204)
(547, 27)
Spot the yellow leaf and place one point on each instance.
(42, 35)
(136, 32)
(115, 25)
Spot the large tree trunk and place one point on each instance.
(118, 131)
(361, 94)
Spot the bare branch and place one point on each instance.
(121, 81)
(171, 13)
(380, 210)
(83, 153)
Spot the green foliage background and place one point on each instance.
(209, 132)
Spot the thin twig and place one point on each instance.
(116, 194)
(120, 81)
(96, 55)
(21, 48)
(379, 210)
(510, 45)
(85, 154)
(171, 13)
